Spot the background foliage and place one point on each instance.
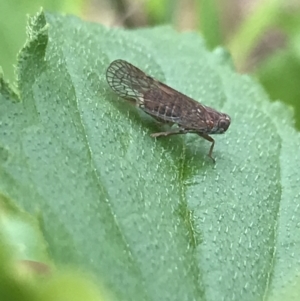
(262, 36)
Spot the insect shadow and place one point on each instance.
(175, 145)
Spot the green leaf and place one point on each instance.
(209, 16)
(279, 72)
(161, 11)
(279, 76)
(13, 16)
(151, 219)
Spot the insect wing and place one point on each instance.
(177, 107)
(154, 97)
(128, 81)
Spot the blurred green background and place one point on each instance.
(263, 36)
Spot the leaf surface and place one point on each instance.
(152, 219)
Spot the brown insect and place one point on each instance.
(166, 104)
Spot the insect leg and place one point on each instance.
(176, 132)
(184, 131)
(208, 138)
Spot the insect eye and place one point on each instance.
(224, 123)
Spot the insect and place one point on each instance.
(166, 104)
